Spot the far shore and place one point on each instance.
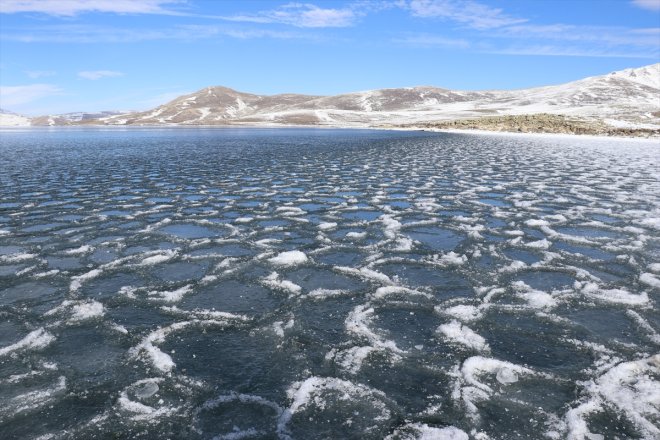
(645, 136)
(544, 134)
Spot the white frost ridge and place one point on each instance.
(421, 431)
(35, 340)
(618, 296)
(79, 310)
(171, 295)
(273, 281)
(290, 258)
(631, 388)
(159, 258)
(650, 279)
(87, 310)
(84, 249)
(312, 392)
(162, 361)
(463, 335)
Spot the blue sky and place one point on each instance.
(87, 55)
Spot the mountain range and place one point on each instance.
(624, 99)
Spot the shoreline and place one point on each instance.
(542, 135)
(481, 132)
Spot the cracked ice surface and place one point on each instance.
(327, 283)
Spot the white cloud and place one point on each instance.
(466, 12)
(551, 40)
(207, 31)
(12, 96)
(74, 7)
(602, 39)
(98, 74)
(493, 27)
(303, 15)
(80, 33)
(653, 5)
(427, 40)
(35, 74)
(568, 51)
(646, 31)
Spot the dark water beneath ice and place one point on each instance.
(309, 284)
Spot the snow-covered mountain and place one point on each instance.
(625, 99)
(211, 106)
(9, 119)
(629, 97)
(72, 118)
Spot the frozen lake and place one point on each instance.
(308, 284)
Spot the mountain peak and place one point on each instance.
(646, 75)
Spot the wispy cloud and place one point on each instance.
(585, 41)
(567, 51)
(492, 30)
(35, 74)
(468, 13)
(646, 31)
(207, 31)
(653, 5)
(611, 35)
(98, 74)
(83, 34)
(69, 8)
(304, 15)
(12, 96)
(429, 40)
(551, 40)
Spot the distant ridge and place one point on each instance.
(624, 99)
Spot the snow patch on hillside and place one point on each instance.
(13, 120)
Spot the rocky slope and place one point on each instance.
(539, 123)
